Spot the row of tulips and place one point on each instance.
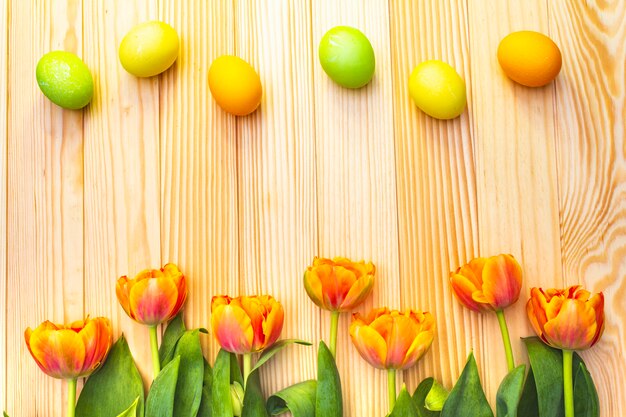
(186, 385)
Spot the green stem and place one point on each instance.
(391, 388)
(506, 339)
(71, 397)
(568, 389)
(154, 345)
(334, 322)
(247, 366)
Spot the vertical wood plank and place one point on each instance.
(590, 114)
(198, 161)
(276, 168)
(4, 39)
(45, 195)
(437, 213)
(356, 187)
(122, 200)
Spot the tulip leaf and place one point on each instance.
(419, 398)
(207, 382)
(275, 348)
(528, 404)
(436, 397)
(174, 331)
(221, 404)
(235, 370)
(547, 368)
(113, 387)
(4, 413)
(328, 399)
(510, 392)
(130, 411)
(467, 398)
(586, 402)
(253, 400)
(160, 401)
(404, 407)
(299, 399)
(190, 376)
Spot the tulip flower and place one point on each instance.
(338, 285)
(570, 319)
(244, 325)
(490, 284)
(153, 297)
(392, 340)
(70, 352)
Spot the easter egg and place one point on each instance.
(65, 79)
(347, 56)
(437, 89)
(529, 58)
(235, 85)
(149, 49)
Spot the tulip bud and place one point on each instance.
(236, 397)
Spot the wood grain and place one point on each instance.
(4, 40)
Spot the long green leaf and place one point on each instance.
(221, 404)
(275, 348)
(328, 399)
(114, 387)
(160, 401)
(405, 407)
(510, 392)
(467, 398)
(174, 331)
(528, 403)
(547, 366)
(207, 382)
(586, 402)
(253, 400)
(130, 411)
(190, 376)
(419, 398)
(298, 398)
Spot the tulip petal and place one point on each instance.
(313, 287)
(573, 328)
(122, 289)
(273, 324)
(418, 348)
(59, 353)
(97, 337)
(357, 293)
(153, 300)
(369, 343)
(233, 328)
(403, 332)
(502, 281)
(463, 289)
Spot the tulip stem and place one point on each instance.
(568, 389)
(391, 388)
(71, 397)
(154, 345)
(247, 366)
(506, 339)
(334, 322)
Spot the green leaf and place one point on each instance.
(4, 413)
(174, 331)
(113, 387)
(510, 392)
(160, 401)
(190, 376)
(298, 398)
(328, 400)
(130, 411)
(436, 397)
(275, 348)
(221, 405)
(528, 403)
(467, 397)
(207, 382)
(547, 367)
(419, 398)
(404, 407)
(586, 402)
(253, 400)
(235, 371)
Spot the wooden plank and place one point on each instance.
(437, 209)
(4, 40)
(589, 115)
(356, 187)
(44, 211)
(198, 161)
(276, 169)
(122, 199)
(513, 130)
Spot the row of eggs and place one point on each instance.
(345, 53)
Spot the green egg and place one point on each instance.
(65, 79)
(347, 56)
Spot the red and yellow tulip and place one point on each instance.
(392, 339)
(488, 284)
(339, 284)
(570, 319)
(245, 325)
(72, 351)
(154, 296)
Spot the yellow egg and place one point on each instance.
(149, 49)
(235, 85)
(437, 89)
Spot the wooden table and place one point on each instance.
(153, 172)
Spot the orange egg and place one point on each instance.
(529, 58)
(235, 85)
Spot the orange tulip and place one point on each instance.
(570, 319)
(154, 296)
(391, 339)
(70, 352)
(339, 284)
(244, 325)
(488, 284)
